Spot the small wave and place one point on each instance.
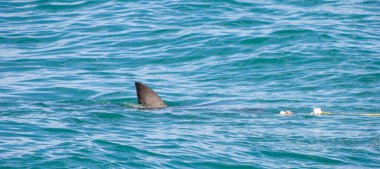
(304, 157)
(125, 148)
(254, 41)
(61, 130)
(108, 115)
(292, 32)
(68, 6)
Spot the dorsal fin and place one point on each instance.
(147, 97)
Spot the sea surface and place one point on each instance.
(226, 68)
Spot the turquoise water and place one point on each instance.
(225, 68)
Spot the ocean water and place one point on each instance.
(225, 68)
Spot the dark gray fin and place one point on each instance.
(147, 97)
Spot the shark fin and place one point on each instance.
(147, 97)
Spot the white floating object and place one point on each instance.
(317, 111)
(286, 113)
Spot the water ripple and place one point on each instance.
(225, 68)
